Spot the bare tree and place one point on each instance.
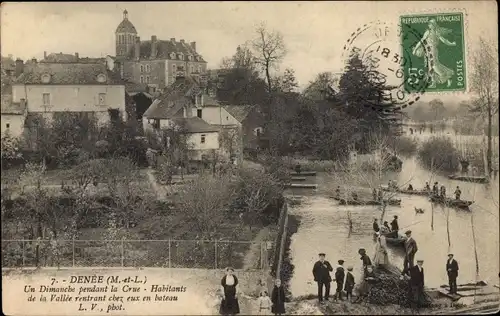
(269, 51)
(484, 82)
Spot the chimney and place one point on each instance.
(137, 51)
(44, 55)
(77, 56)
(33, 60)
(193, 45)
(19, 67)
(182, 41)
(172, 40)
(153, 46)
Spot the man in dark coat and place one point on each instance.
(339, 279)
(321, 273)
(435, 189)
(394, 224)
(417, 283)
(365, 259)
(278, 298)
(452, 270)
(410, 251)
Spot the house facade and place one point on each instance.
(154, 62)
(251, 120)
(13, 116)
(85, 88)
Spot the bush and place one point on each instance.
(438, 153)
(404, 146)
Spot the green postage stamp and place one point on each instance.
(435, 48)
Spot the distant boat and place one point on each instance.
(402, 191)
(303, 173)
(476, 179)
(451, 202)
(298, 179)
(393, 202)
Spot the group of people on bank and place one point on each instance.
(227, 297)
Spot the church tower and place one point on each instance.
(125, 36)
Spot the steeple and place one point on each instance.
(125, 14)
(125, 36)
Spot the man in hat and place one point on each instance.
(435, 189)
(349, 283)
(394, 224)
(410, 251)
(452, 270)
(339, 279)
(321, 273)
(458, 192)
(417, 283)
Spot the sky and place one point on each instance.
(314, 32)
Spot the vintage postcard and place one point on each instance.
(253, 158)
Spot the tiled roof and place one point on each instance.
(172, 100)
(59, 58)
(126, 26)
(68, 73)
(196, 125)
(165, 48)
(239, 112)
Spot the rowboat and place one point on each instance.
(463, 204)
(298, 179)
(301, 185)
(303, 173)
(402, 191)
(476, 179)
(398, 241)
(393, 202)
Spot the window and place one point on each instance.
(199, 112)
(203, 138)
(156, 124)
(102, 98)
(148, 68)
(174, 68)
(199, 69)
(147, 79)
(142, 79)
(7, 125)
(46, 99)
(142, 68)
(192, 69)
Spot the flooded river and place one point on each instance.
(324, 228)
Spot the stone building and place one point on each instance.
(154, 62)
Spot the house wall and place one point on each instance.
(216, 115)
(171, 75)
(15, 123)
(251, 123)
(197, 149)
(73, 98)
(156, 72)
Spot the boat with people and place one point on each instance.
(476, 179)
(393, 202)
(403, 191)
(394, 239)
(463, 204)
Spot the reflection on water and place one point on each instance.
(324, 228)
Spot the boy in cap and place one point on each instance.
(410, 251)
(349, 283)
(321, 273)
(417, 283)
(339, 279)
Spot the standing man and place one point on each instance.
(417, 283)
(339, 279)
(410, 251)
(458, 193)
(337, 192)
(435, 189)
(427, 186)
(365, 259)
(394, 224)
(452, 270)
(380, 194)
(321, 273)
(376, 228)
(374, 194)
(443, 191)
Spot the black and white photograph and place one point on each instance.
(250, 158)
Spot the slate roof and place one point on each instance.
(196, 125)
(239, 112)
(59, 58)
(68, 73)
(126, 26)
(173, 99)
(165, 48)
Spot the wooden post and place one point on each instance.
(169, 253)
(123, 250)
(215, 257)
(73, 251)
(23, 253)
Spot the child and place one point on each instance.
(349, 283)
(218, 301)
(264, 303)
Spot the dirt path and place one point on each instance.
(160, 192)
